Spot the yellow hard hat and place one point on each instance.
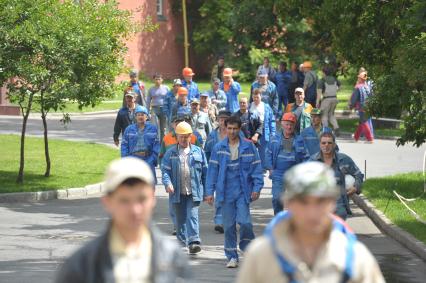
(183, 128)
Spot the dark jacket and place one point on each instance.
(121, 122)
(93, 263)
(254, 126)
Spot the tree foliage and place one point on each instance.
(55, 51)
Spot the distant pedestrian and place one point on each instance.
(137, 87)
(171, 100)
(307, 243)
(184, 169)
(217, 96)
(155, 103)
(327, 88)
(297, 78)
(189, 84)
(268, 92)
(310, 84)
(311, 134)
(282, 81)
(217, 71)
(232, 89)
(200, 121)
(207, 107)
(131, 249)
(342, 166)
(251, 126)
(182, 107)
(235, 176)
(141, 140)
(301, 109)
(125, 116)
(267, 68)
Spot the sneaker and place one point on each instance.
(194, 248)
(174, 232)
(219, 228)
(233, 263)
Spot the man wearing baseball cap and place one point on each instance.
(182, 106)
(311, 134)
(189, 84)
(284, 151)
(306, 243)
(301, 109)
(125, 116)
(131, 247)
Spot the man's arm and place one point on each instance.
(117, 129)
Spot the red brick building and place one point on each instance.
(159, 51)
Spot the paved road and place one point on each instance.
(35, 237)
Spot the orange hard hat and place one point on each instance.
(307, 64)
(182, 91)
(187, 72)
(289, 117)
(227, 72)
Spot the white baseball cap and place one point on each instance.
(125, 168)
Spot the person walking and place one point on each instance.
(284, 151)
(131, 248)
(343, 166)
(307, 243)
(282, 81)
(297, 79)
(200, 121)
(327, 89)
(268, 91)
(125, 117)
(207, 107)
(217, 96)
(301, 109)
(182, 106)
(184, 172)
(251, 126)
(232, 89)
(137, 87)
(310, 83)
(311, 134)
(141, 139)
(267, 68)
(235, 176)
(189, 84)
(217, 70)
(155, 103)
(171, 100)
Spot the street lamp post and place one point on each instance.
(185, 34)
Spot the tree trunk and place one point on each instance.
(46, 141)
(20, 178)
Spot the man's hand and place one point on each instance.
(255, 138)
(209, 199)
(351, 191)
(170, 189)
(116, 142)
(254, 196)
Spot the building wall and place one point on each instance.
(158, 51)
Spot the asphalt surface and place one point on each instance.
(36, 237)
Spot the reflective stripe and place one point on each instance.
(223, 152)
(214, 161)
(247, 155)
(167, 167)
(255, 162)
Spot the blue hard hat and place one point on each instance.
(141, 109)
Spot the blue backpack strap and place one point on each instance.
(340, 225)
(286, 267)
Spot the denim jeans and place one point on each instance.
(187, 225)
(234, 212)
(161, 119)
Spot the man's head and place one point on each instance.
(182, 94)
(301, 69)
(215, 84)
(220, 61)
(283, 66)
(257, 96)
(221, 118)
(187, 74)
(294, 66)
(141, 114)
(130, 98)
(262, 77)
(243, 104)
(233, 127)
(183, 132)
(130, 198)
(307, 66)
(362, 76)
(316, 117)
(310, 196)
(299, 95)
(266, 61)
(158, 79)
(177, 83)
(204, 99)
(227, 75)
(288, 121)
(133, 74)
(327, 143)
(195, 105)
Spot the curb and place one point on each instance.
(73, 193)
(386, 226)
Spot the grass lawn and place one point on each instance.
(74, 164)
(349, 125)
(379, 192)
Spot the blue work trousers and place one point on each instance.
(234, 212)
(172, 212)
(218, 217)
(263, 145)
(187, 225)
(277, 191)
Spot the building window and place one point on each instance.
(160, 11)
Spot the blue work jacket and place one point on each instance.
(234, 90)
(311, 138)
(193, 91)
(269, 95)
(150, 136)
(251, 175)
(171, 172)
(280, 164)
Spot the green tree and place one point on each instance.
(56, 51)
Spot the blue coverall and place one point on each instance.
(311, 138)
(234, 90)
